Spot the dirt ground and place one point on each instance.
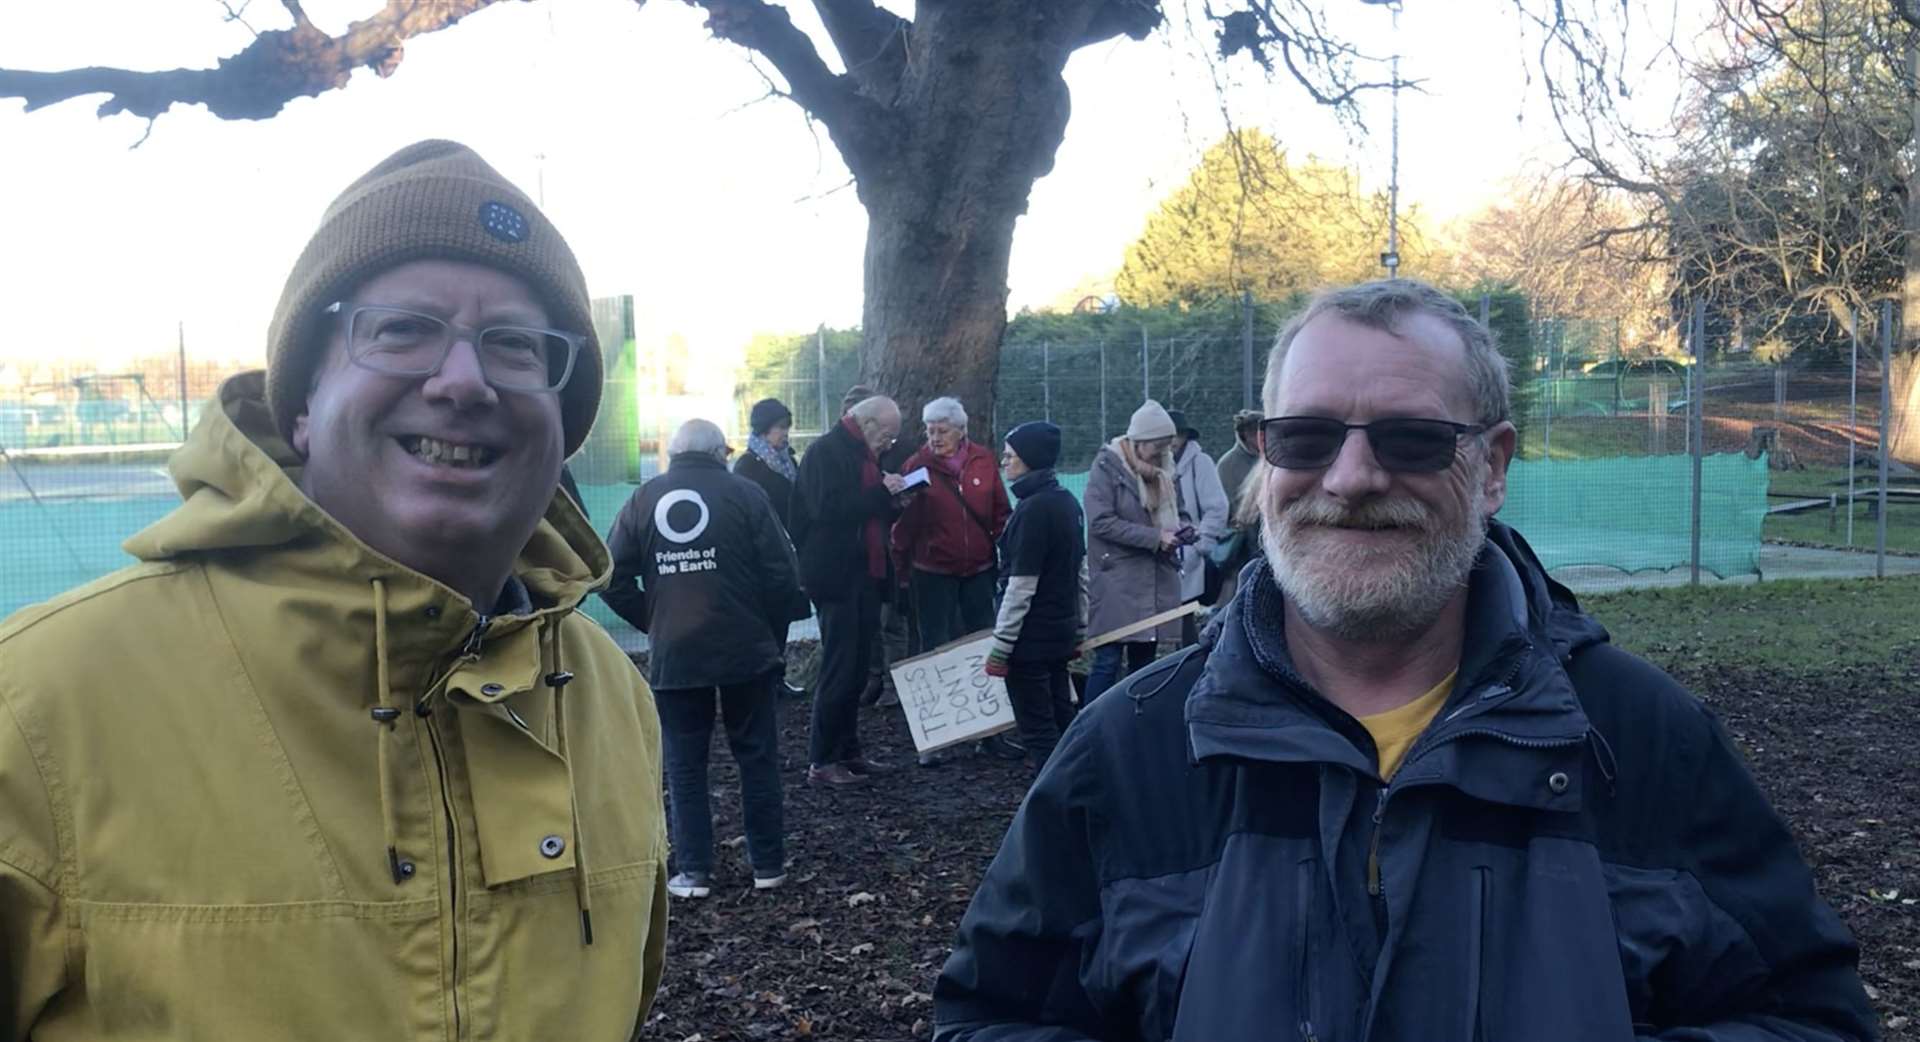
(880, 875)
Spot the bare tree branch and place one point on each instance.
(277, 67)
(872, 43)
(234, 16)
(859, 125)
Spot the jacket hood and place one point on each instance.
(1521, 629)
(239, 485)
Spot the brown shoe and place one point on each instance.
(833, 774)
(865, 767)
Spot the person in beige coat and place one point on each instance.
(1135, 540)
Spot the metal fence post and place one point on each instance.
(1696, 419)
(1146, 378)
(820, 374)
(1046, 379)
(1886, 417)
(184, 427)
(1246, 346)
(1103, 392)
(1853, 422)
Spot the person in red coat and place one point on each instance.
(943, 544)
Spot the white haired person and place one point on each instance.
(943, 543)
(718, 585)
(1134, 543)
(841, 513)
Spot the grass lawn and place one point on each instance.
(1791, 625)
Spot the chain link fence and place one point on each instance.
(1610, 432)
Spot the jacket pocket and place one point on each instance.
(1480, 881)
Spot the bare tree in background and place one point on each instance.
(945, 120)
(1782, 177)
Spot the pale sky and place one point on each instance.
(724, 215)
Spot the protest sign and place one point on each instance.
(948, 696)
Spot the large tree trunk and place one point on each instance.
(982, 116)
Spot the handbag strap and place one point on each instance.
(961, 496)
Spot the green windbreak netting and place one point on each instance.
(1635, 512)
(61, 524)
(1632, 512)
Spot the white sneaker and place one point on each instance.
(769, 882)
(691, 884)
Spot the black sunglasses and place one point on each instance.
(1406, 445)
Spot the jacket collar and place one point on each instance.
(1513, 701)
(694, 461)
(1035, 481)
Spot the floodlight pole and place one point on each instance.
(1390, 260)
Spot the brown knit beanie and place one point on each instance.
(432, 200)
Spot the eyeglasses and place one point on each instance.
(399, 342)
(1405, 445)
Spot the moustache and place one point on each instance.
(1383, 513)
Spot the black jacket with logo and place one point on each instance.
(718, 579)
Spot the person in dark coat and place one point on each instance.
(1243, 524)
(768, 461)
(718, 585)
(1043, 592)
(841, 513)
(1403, 788)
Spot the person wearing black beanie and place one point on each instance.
(1043, 591)
(768, 461)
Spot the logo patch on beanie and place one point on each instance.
(503, 222)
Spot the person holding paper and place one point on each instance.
(943, 543)
(1043, 591)
(1404, 788)
(841, 514)
(1134, 542)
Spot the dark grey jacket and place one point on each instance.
(1573, 852)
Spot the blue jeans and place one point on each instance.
(950, 607)
(1106, 670)
(753, 733)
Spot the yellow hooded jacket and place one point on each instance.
(270, 784)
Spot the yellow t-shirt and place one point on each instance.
(1395, 730)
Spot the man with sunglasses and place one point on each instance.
(1404, 788)
(340, 758)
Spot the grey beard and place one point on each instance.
(1381, 599)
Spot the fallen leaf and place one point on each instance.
(860, 949)
(859, 899)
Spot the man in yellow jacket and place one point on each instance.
(338, 759)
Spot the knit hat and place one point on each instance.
(1149, 422)
(1180, 424)
(766, 414)
(855, 395)
(1037, 443)
(432, 200)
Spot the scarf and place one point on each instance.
(876, 527)
(1153, 483)
(779, 460)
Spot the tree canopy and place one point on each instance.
(1248, 218)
